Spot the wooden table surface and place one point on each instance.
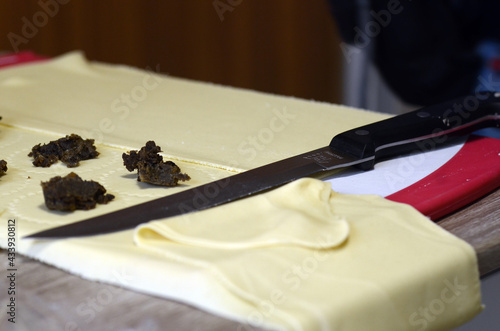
(51, 299)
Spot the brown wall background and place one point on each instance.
(288, 47)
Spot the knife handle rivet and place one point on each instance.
(423, 114)
(362, 132)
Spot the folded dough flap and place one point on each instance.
(295, 214)
(307, 258)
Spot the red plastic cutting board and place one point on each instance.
(473, 172)
(19, 58)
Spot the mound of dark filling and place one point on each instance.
(3, 167)
(151, 168)
(71, 150)
(71, 192)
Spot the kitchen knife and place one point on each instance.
(421, 130)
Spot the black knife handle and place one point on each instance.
(424, 129)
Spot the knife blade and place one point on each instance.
(420, 130)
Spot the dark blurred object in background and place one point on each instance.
(428, 50)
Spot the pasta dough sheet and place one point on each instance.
(301, 257)
(354, 262)
(209, 124)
